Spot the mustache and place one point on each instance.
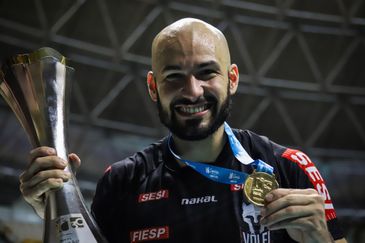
(186, 101)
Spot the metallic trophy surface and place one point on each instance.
(37, 87)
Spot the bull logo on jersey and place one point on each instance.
(251, 216)
(253, 231)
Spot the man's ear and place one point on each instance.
(234, 78)
(151, 84)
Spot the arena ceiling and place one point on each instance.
(302, 76)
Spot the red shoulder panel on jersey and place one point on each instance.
(304, 162)
(108, 169)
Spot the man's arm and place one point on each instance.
(300, 211)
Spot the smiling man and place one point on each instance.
(192, 64)
(192, 186)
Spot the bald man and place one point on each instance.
(190, 186)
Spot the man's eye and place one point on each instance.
(206, 74)
(174, 77)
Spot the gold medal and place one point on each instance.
(257, 185)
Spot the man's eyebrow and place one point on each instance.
(171, 67)
(206, 64)
(199, 66)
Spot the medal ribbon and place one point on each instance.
(224, 175)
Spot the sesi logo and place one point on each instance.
(305, 163)
(145, 197)
(157, 233)
(236, 187)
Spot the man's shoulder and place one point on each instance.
(256, 142)
(141, 162)
(149, 154)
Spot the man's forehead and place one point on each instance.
(188, 38)
(188, 25)
(191, 36)
(189, 46)
(186, 56)
(187, 43)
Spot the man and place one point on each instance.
(161, 194)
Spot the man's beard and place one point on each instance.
(189, 129)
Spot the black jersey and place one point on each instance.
(148, 197)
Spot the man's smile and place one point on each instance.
(196, 109)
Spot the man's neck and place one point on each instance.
(205, 150)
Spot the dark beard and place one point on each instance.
(190, 130)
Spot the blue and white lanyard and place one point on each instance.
(224, 175)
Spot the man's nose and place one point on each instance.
(193, 88)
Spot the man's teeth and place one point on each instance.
(192, 110)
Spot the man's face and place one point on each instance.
(191, 74)
(193, 128)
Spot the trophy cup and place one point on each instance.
(37, 87)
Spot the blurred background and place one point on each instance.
(302, 84)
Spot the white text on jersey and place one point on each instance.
(157, 233)
(144, 197)
(198, 200)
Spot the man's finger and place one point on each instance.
(42, 163)
(41, 152)
(292, 223)
(76, 161)
(281, 192)
(292, 199)
(46, 174)
(36, 193)
(304, 223)
(286, 214)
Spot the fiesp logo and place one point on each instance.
(156, 233)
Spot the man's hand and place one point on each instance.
(299, 211)
(45, 172)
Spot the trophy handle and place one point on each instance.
(66, 219)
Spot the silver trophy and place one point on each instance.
(37, 87)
